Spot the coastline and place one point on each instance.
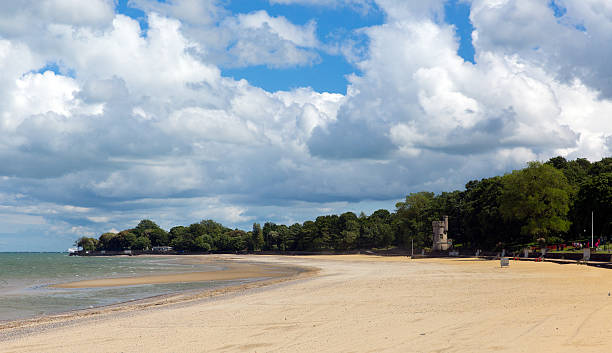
(263, 275)
(362, 303)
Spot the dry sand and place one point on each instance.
(364, 304)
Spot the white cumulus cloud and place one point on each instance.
(140, 124)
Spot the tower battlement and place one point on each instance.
(440, 235)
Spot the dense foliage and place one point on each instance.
(545, 202)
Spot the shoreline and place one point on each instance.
(230, 272)
(275, 274)
(360, 303)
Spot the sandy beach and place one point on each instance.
(359, 304)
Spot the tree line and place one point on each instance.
(544, 203)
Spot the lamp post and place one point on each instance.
(591, 228)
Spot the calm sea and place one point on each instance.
(25, 280)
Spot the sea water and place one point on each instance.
(25, 280)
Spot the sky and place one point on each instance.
(242, 111)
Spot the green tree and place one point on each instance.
(267, 228)
(126, 240)
(157, 237)
(603, 166)
(349, 226)
(414, 217)
(327, 231)
(87, 244)
(144, 225)
(575, 171)
(539, 198)
(306, 238)
(212, 228)
(176, 232)
(141, 243)
(376, 230)
(223, 242)
(595, 196)
(202, 243)
(558, 162)
(482, 224)
(451, 204)
(149, 229)
(237, 240)
(257, 238)
(284, 240)
(379, 224)
(294, 234)
(105, 240)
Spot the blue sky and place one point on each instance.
(329, 74)
(281, 110)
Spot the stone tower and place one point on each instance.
(440, 235)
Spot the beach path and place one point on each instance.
(367, 304)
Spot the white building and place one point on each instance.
(162, 248)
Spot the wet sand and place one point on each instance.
(364, 304)
(232, 272)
